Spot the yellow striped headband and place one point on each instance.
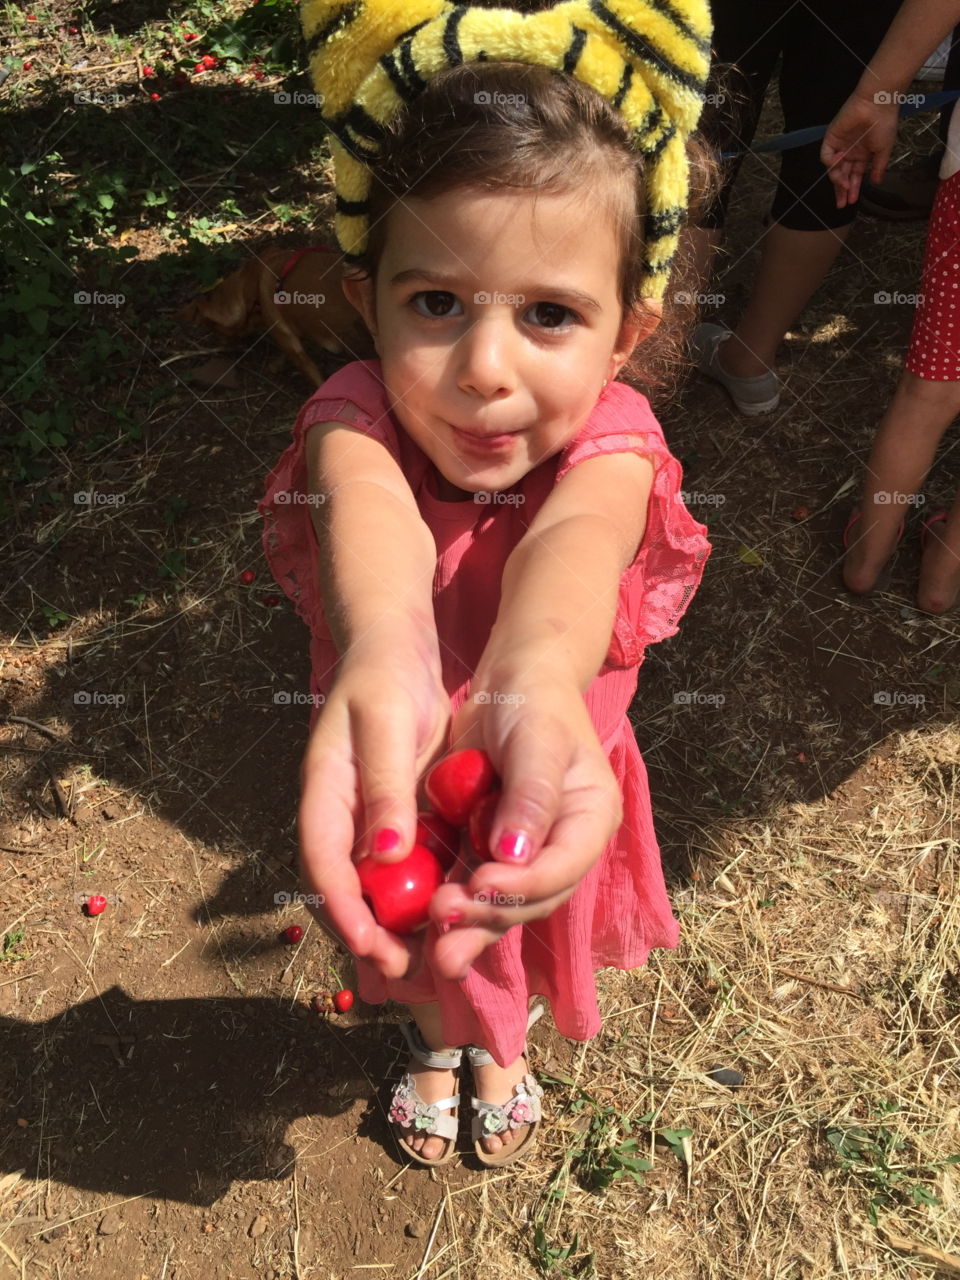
(649, 59)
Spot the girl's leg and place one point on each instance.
(940, 566)
(432, 1083)
(901, 456)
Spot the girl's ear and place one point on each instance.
(360, 293)
(637, 325)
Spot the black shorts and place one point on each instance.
(824, 46)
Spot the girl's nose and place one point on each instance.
(484, 351)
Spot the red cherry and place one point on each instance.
(208, 60)
(399, 893)
(27, 66)
(271, 601)
(148, 70)
(247, 577)
(154, 97)
(292, 934)
(439, 836)
(343, 1000)
(458, 781)
(480, 823)
(96, 903)
(189, 35)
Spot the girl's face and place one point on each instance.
(496, 319)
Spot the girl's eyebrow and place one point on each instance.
(453, 283)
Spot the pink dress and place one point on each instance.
(620, 909)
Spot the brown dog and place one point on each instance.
(293, 296)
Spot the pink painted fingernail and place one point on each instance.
(385, 840)
(515, 844)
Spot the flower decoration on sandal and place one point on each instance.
(523, 1108)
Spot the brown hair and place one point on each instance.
(489, 126)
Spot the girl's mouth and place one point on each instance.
(485, 445)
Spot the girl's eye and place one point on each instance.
(552, 315)
(438, 304)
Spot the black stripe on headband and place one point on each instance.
(665, 223)
(668, 11)
(364, 155)
(407, 82)
(644, 51)
(345, 16)
(363, 124)
(625, 81)
(572, 55)
(451, 42)
(655, 151)
(352, 208)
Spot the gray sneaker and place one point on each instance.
(760, 394)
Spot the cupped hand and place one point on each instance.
(384, 720)
(560, 806)
(859, 138)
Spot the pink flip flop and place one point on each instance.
(925, 527)
(855, 516)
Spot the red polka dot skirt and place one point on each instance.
(935, 343)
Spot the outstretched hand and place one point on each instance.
(383, 722)
(859, 138)
(560, 806)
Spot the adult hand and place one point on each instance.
(560, 806)
(385, 719)
(860, 138)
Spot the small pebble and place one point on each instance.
(727, 1076)
(413, 1230)
(109, 1223)
(54, 1233)
(258, 1226)
(351, 1159)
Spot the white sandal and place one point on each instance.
(493, 1118)
(409, 1110)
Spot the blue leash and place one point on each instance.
(800, 137)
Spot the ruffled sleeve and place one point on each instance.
(354, 395)
(657, 587)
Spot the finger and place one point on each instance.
(385, 743)
(533, 764)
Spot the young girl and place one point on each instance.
(927, 398)
(483, 530)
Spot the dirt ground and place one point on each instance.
(172, 1107)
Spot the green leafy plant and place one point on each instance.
(871, 1155)
(11, 945)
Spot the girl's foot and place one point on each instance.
(939, 568)
(424, 1107)
(868, 550)
(493, 1083)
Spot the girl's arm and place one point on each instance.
(560, 585)
(862, 134)
(387, 712)
(561, 799)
